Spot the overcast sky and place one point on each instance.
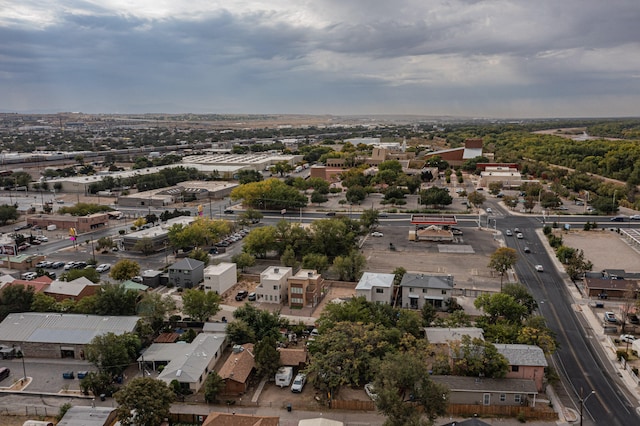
(500, 58)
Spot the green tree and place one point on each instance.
(201, 255)
(15, 298)
(243, 260)
(288, 258)
(155, 308)
(429, 314)
(263, 323)
(260, 241)
(96, 383)
(436, 197)
(112, 353)
(43, 303)
(501, 305)
(350, 267)
(8, 213)
(502, 260)
(124, 269)
(356, 194)
(200, 305)
(521, 295)
(477, 357)
(405, 391)
(213, 386)
(495, 187)
(369, 218)
(115, 299)
(251, 216)
(144, 401)
(144, 245)
(318, 198)
(267, 357)
(476, 198)
(239, 332)
(316, 261)
(248, 176)
(73, 274)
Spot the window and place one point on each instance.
(503, 397)
(424, 290)
(515, 368)
(486, 399)
(444, 292)
(296, 290)
(297, 300)
(275, 287)
(380, 290)
(517, 398)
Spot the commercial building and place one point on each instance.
(65, 222)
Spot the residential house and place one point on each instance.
(444, 335)
(186, 273)
(305, 288)
(293, 357)
(418, 289)
(189, 364)
(76, 290)
(221, 277)
(376, 287)
(525, 362)
(236, 370)
(78, 415)
(273, 284)
(489, 392)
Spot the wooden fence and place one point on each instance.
(530, 413)
(342, 404)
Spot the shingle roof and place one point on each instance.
(473, 384)
(292, 357)
(427, 281)
(79, 329)
(188, 264)
(239, 365)
(192, 362)
(370, 280)
(527, 355)
(70, 288)
(226, 419)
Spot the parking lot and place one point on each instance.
(46, 374)
(466, 258)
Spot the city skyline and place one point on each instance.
(461, 57)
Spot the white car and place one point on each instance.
(42, 238)
(509, 233)
(489, 210)
(368, 388)
(634, 217)
(377, 234)
(627, 338)
(298, 382)
(539, 268)
(104, 267)
(519, 236)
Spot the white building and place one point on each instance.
(509, 176)
(273, 284)
(376, 287)
(220, 277)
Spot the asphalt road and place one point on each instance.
(580, 363)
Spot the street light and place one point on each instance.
(582, 401)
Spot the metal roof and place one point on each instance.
(370, 280)
(36, 327)
(190, 363)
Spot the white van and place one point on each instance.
(284, 376)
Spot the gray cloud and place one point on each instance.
(422, 57)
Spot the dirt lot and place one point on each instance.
(605, 248)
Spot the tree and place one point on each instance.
(476, 198)
(429, 314)
(495, 187)
(43, 303)
(475, 358)
(115, 299)
(536, 332)
(288, 258)
(248, 176)
(405, 391)
(124, 269)
(15, 298)
(356, 194)
(155, 308)
(436, 197)
(240, 333)
(502, 260)
(8, 213)
(501, 305)
(213, 385)
(529, 203)
(521, 295)
(369, 218)
(262, 323)
(267, 357)
(97, 383)
(243, 260)
(260, 241)
(112, 353)
(318, 198)
(251, 216)
(144, 245)
(350, 267)
(144, 401)
(316, 261)
(200, 305)
(73, 274)
(199, 254)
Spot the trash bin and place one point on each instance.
(289, 407)
(103, 397)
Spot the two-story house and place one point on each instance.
(273, 284)
(186, 273)
(305, 288)
(221, 277)
(418, 289)
(376, 287)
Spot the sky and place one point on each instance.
(467, 58)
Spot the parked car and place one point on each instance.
(456, 231)
(298, 383)
(104, 267)
(252, 296)
(241, 295)
(69, 266)
(213, 250)
(368, 388)
(539, 268)
(627, 338)
(634, 217)
(57, 265)
(633, 319)
(610, 317)
(377, 234)
(29, 276)
(42, 264)
(82, 374)
(42, 238)
(137, 279)
(68, 375)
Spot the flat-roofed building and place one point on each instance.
(305, 288)
(273, 284)
(221, 277)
